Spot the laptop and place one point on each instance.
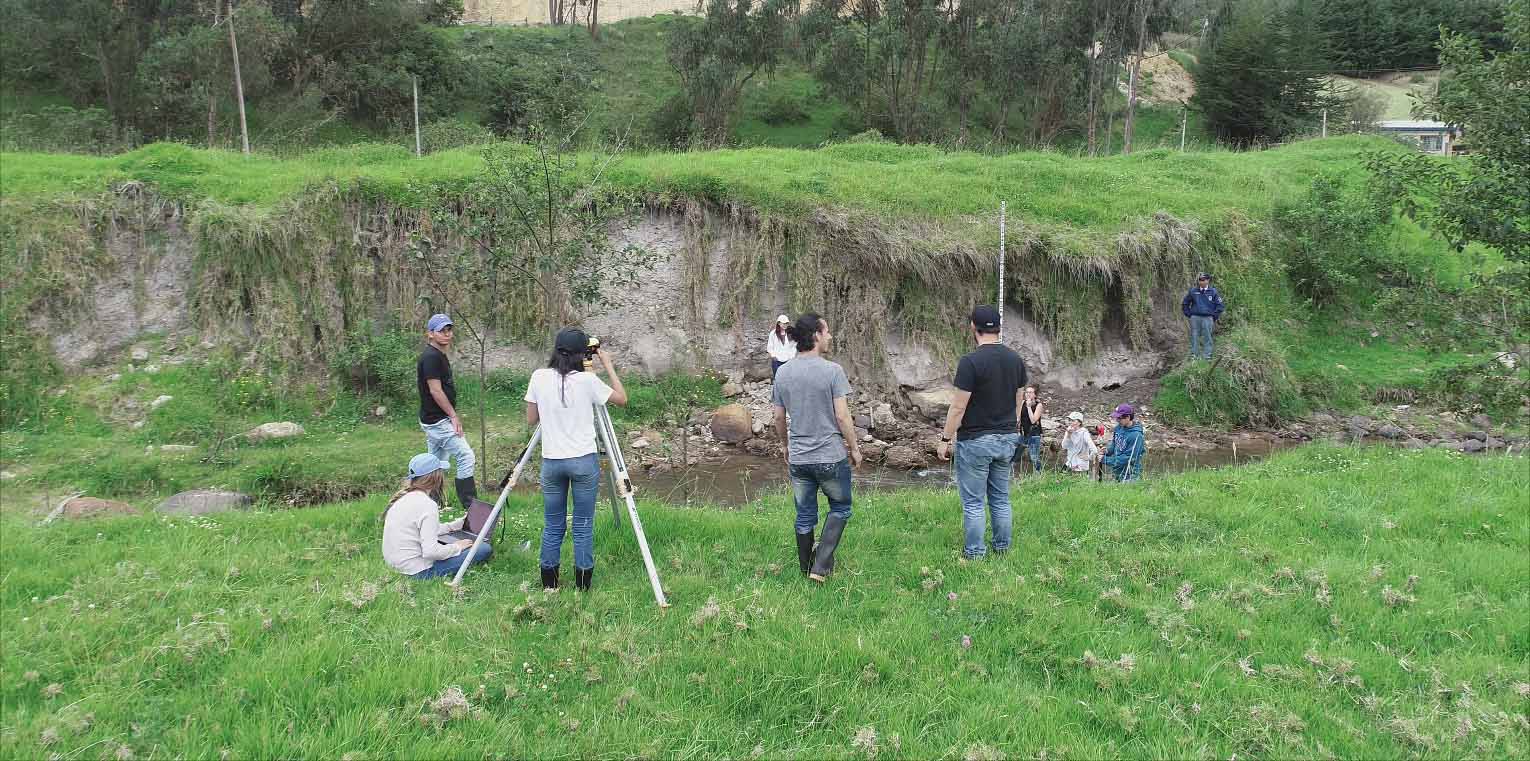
(477, 515)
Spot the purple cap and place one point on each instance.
(437, 322)
(1123, 411)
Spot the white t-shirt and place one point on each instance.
(566, 406)
(780, 349)
(411, 532)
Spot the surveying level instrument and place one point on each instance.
(618, 480)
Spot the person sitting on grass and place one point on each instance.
(412, 527)
(1127, 446)
(1078, 445)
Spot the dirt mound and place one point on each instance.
(1165, 82)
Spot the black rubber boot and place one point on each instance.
(805, 551)
(467, 491)
(550, 578)
(823, 558)
(583, 577)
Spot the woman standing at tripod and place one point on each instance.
(561, 398)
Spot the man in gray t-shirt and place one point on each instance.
(811, 392)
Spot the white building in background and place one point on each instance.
(1430, 137)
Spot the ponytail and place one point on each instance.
(805, 331)
(429, 484)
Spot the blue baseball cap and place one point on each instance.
(423, 464)
(437, 322)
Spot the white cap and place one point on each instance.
(784, 320)
(1079, 416)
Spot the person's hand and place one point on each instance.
(456, 425)
(605, 359)
(943, 451)
(856, 458)
(464, 543)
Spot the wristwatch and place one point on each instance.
(945, 439)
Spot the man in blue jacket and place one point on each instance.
(1123, 455)
(1203, 306)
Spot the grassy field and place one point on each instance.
(1396, 90)
(1100, 195)
(1303, 607)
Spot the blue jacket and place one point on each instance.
(1125, 451)
(1199, 303)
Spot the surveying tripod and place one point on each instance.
(620, 484)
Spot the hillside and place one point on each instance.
(1297, 608)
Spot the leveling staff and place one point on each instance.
(438, 411)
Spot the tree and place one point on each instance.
(716, 58)
(527, 246)
(1260, 76)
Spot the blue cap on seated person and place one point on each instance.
(423, 464)
(437, 322)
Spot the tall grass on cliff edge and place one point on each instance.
(1354, 603)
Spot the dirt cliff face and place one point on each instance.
(897, 302)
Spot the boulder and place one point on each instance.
(903, 457)
(1482, 421)
(269, 431)
(1321, 418)
(762, 447)
(205, 501)
(1389, 431)
(1050, 424)
(1493, 443)
(732, 423)
(160, 401)
(1360, 423)
(140, 354)
(1473, 445)
(757, 371)
(731, 389)
(882, 415)
(1478, 435)
(932, 404)
(380, 411)
(863, 421)
(873, 451)
(641, 443)
(90, 507)
(757, 427)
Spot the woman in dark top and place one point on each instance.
(1030, 426)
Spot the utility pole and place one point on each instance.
(233, 46)
(1184, 121)
(1325, 122)
(417, 152)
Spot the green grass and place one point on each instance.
(1303, 607)
(85, 438)
(1398, 96)
(1095, 196)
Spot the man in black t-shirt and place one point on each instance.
(438, 412)
(982, 419)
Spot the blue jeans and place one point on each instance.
(983, 467)
(1032, 446)
(441, 440)
(1200, 332)
(833, 478)
(581, 477)
(775, 364)
(449, 566)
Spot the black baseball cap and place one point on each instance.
(985, 316)
(1203, 276)
(571, 341)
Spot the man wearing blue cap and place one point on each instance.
(1202, 306)
(1127, 445)
(438, 411)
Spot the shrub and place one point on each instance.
(63, 129)
(1248, 383)
(785, 109)
(671, 124)
(379, 366)
(1330, 240)
(446, 134)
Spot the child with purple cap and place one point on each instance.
(1123, 455)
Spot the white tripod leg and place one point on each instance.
(624, 486)
(499, 504)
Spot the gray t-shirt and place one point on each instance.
(807, 387)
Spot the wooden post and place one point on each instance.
(417, 152)
(1325, 122)
(233, 46)
(1184, 121)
